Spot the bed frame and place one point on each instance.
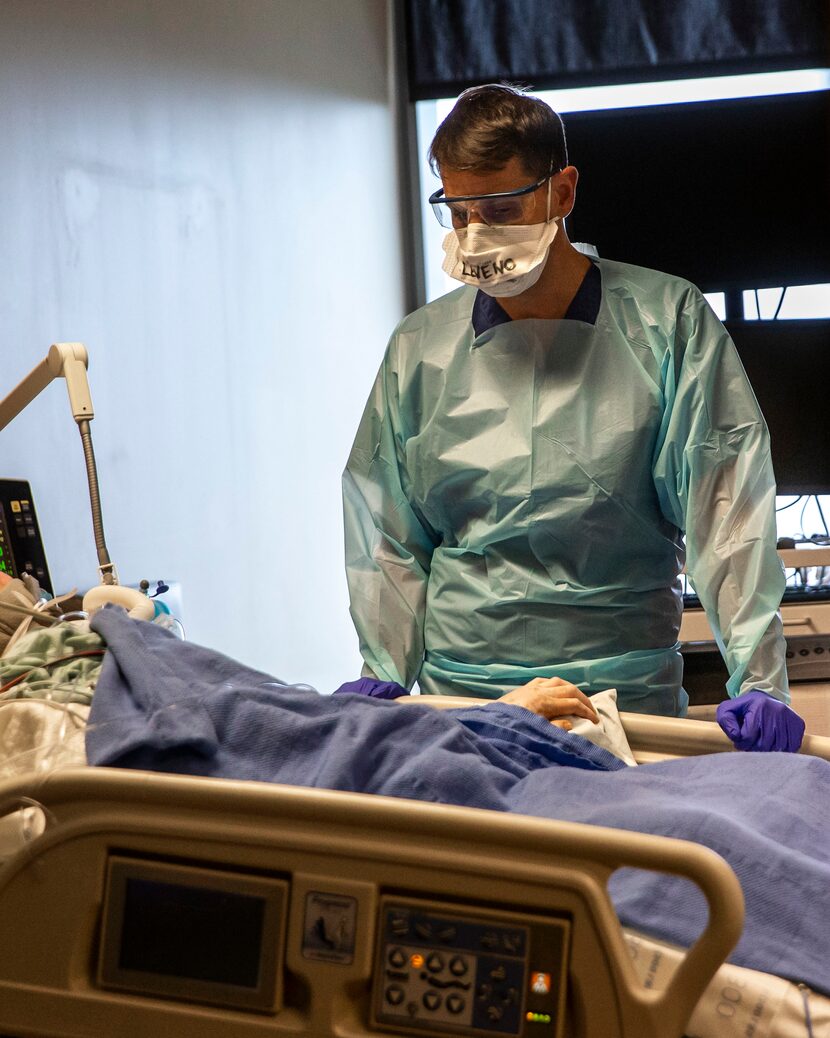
(370, 908)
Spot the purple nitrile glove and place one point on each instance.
(373, 687)
(757, 721)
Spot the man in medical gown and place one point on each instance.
(545, 447)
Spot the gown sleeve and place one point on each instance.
(389, 544)
(713, 474)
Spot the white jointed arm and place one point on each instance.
(66, 360)
(69, 360)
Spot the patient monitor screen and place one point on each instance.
(6, 561)
(21, 547)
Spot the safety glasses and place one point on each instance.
(500, 207)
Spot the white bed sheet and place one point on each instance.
(738, 1003)
(39, 735)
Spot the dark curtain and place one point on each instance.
(452, 44)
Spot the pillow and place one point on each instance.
(609, 733)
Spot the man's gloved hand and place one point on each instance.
(756, 721)
(372, 687)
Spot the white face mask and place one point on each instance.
(503, 260)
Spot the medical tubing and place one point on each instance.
(780, 303)
(801, 520)
(94, 498)
(821, 514)
(808, 1019)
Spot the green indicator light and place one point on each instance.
(538, 1018)
(1, 551)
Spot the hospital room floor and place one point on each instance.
(810, 699)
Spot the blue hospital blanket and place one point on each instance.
(166, 705)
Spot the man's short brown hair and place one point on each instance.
(489, 125)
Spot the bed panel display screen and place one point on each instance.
(196, 932)
(193, 933)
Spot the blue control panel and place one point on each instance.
(443, 970)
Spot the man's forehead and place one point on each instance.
(470, 182)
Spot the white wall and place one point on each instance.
(205, 193)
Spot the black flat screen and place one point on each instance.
(192, 932)
(788, 365)
(730, 194)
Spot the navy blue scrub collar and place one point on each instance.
(487, 313)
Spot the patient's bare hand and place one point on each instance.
(554, 699)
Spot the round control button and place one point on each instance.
(455, 1003)
(397, 958)
(431, 1000)
(435, 963)
(395, 995)
(458, 967)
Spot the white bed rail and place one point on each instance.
(650, 736)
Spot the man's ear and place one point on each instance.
(563, 192)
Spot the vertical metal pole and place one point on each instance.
(415, 292)
(734, 304)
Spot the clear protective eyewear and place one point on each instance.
(500, 207)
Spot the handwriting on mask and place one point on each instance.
(487, 270)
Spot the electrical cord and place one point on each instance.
(777, 308)
(825, 540)
(801, 520)
(808, 1018)
(821, 514)
(780, 301)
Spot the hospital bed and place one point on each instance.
(140, 904)
(161, 905)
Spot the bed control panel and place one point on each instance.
(443, 969)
